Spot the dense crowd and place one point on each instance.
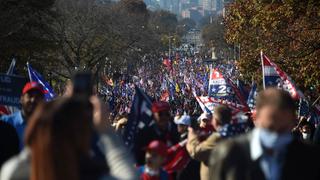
(80, 136)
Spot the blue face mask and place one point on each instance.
(273, 140)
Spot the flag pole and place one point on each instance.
(29, 73)
(263, 81)
(315, 102)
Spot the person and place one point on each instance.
(58, 139)
(205, 126)
(269, 152)
(201, 150)
(32, 95)
(9, 142)
(182, 126)
(307, 130)
(155, 157)
(205, 121)
(161, 128)
(179, 165)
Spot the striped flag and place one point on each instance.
(274, 76)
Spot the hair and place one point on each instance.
(222, 114)
(277, 98)
(58, 135)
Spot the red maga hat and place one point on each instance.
(33, 86)
(160, 106)
(158, 147)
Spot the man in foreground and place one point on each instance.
(269, 152)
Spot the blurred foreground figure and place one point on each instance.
(162, 128)
(200, 150)
(32, 95)
(58, 139)
(269, 152)
(155, 157)
(9, 142)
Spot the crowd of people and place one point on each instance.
(76, 136)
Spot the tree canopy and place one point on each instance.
(287, 31)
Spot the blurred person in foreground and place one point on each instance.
(201, 150)
(269, 152)
(9, 142)
(162, 128)
(155, 157)
(179, 164)
(205, 126)
(32, 95)
(58, 139)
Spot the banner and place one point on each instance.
(209, 103)
(10, 89)
(217, 84)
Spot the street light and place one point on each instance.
(170, 45)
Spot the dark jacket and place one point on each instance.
(232, 161)
(150, 133)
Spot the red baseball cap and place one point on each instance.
(160, 106)
(158, 147)
(33, 86)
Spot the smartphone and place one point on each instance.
(82, 84)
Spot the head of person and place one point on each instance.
(205, 120)
(58, 134)
(222, 115)
(156, 154)
(275, 111)
(32, 95)
(183, 123)
(161, 114)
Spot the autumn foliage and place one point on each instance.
(288, 31)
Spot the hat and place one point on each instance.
(32, 86)
(158, 147)
(204, 116)
(160, 106)
(184, 120)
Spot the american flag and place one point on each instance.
(274, 76)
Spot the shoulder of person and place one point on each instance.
(214, 137)
(11, 118)
(18, 167)
(228, 147)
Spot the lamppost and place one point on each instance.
(170, 45)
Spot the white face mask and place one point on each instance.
(274, 140)
(305, 136)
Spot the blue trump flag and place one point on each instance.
(35, 76)
(140, 116)
(252, 96)
(242, 89)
